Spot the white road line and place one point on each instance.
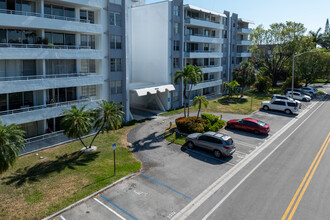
(62, 217)
(245, 144)
(256, 167)
(208, 192)
(107, 207)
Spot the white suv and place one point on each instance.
(286, 106)
(299, 96)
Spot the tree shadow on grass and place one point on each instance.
(44, 169)
(228, 101)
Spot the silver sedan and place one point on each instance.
(219, 144)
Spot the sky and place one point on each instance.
(312, 13)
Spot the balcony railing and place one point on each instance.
(205, 66)
(38, 107)
(44, 46)
(202, 19)
(26, 13)
(202, 51)
(43, 137)
(201, 35)
(49, 76)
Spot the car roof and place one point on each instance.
(250, 119)
(217, 135)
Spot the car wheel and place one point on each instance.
(232, 126)
(287, 111)
(217, 153)
(266, 108)
(257, 132)
(190, 145)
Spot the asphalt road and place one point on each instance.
(174, 177)
(265, 188)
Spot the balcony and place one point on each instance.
(243, 54)
(244, 30)
(206, 84)
(43, 51)
(36, 113)
(203, 39)
(203, 54)
(211, 69)
(40, 82)
(16, 19)
(203, 23)
(244, 42)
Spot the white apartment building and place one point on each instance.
(53, 54)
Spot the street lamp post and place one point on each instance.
(292, 83)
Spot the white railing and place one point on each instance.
(44, 46)
(27, 13)
(201, 19)
(203, 51)
(47, 76)
(33, 108)
(42, 137)
(202, 35)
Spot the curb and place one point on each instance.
(89, 197)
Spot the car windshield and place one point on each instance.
(229, 141)
(261, 123)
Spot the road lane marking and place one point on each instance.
(107, 207)
(114, 204)
(166, 186)
(304, 186)
(62, 217)
(208, 192)
(245, 144)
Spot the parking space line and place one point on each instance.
(166, 186)
(112, 203)
(107, 207)
(62, 217)
(246, 144)
(211, 157)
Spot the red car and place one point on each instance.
(249, 124)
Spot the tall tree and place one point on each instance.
(185, 77)
(200, 100)
(109, 116)
(11, 143)
(317, 36)
(77, 122)
(276, 45)
(195, 78)
(230, 88)
(245, 75)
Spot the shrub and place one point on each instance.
(263, 84)
(210, 118)
(190, 125)
(212, 122)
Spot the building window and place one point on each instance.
(115, 19)
(176, 28)
(87, 66)
(87, 16)
(115, 42)
(116, 86)
(87, 41)
(176, 63)
(175, 96)
(176, 10)
(212, 62)
(176, 45)
(88, 91)
(117, 2)
(225, 34)
(115, 65)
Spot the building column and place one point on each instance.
(42, 7)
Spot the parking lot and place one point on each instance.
(172, 175)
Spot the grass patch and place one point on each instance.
(320, 92)
(169, 136)
(35, 188)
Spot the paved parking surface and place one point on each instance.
(172, 175)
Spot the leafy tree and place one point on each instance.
(196, 78)
(245, 75)
(11, 142)
(109, 116)
(263, 83)
(200, 100)
(275, 46)
(189, 75)
(230, 88)
(77, 122)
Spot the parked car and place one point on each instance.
(219, 144)
(286, 106)
(309, 90)
(249, 124)
(299, 90)
(299, 96)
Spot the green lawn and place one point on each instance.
(36, 188)
(238, 106)
(179, 139)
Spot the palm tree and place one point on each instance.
(77, 122)
(200, 100)
(11, 142)
(184, 76)
(109, 117)
(195, 78)
(245, 75)
(317, 36)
